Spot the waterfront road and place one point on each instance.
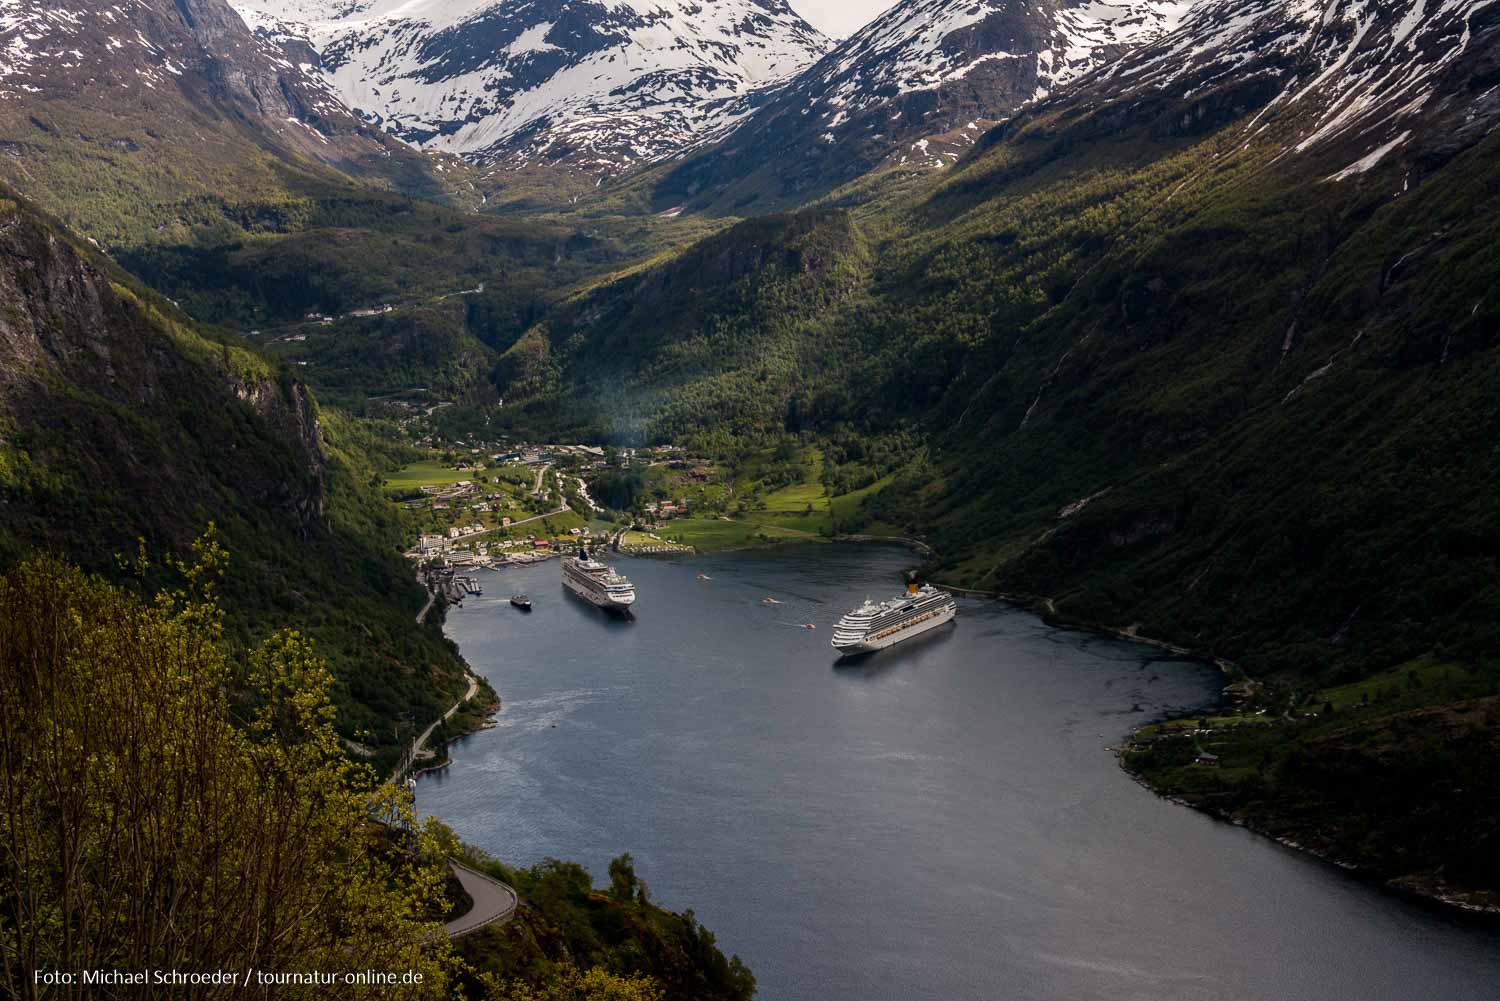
(415, 751)
(420, 742)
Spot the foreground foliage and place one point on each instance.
(632, 948)
(169, 806)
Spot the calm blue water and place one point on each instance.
(941, 820)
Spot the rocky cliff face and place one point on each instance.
(109, 112)
(107, 397)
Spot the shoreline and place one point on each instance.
(484, 719)
(1450, 902)
(809, 539)
(486, 722)
(1046, 609)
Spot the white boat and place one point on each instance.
(596, 583)
(877, 625)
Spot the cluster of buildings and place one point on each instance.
(667, 510)
(457, 549)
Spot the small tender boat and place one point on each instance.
(703, 576)
(769, 601)
(521, 601)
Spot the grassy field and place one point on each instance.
(799, 512)
(798, 499)
(712, 533)
(642, 540)
(423, 474)
(843, 506)
(806, 507)
(551, 527)
(1424, 673)
(1407, 686)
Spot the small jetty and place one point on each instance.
(450, 586)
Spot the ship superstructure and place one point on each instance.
(877, 625)
(597, 583)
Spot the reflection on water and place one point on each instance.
(939, 820)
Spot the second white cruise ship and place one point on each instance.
(597, 583)
(875, 626)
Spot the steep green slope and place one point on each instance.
(715, 339)
(1272, 405)
(120, 421)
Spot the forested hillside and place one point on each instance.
(121, 424)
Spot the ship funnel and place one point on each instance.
(911, 587)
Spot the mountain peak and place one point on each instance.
(1361, 78)
(600, 85)
(914, 88)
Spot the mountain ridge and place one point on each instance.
(913, 89)
(126, 121)
(597, 86)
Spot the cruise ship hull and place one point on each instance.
(597, 599)
(882, 641)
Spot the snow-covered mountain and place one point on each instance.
(915, 87)
(988, 53)
(1363, 78)
(601, 84)
(135, 49)
(114, 114)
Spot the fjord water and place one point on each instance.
(940, 820)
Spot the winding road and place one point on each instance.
(493, 902)
(583, 491)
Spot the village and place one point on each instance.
(486, 505)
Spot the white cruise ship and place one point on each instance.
(875, 626)
(597, 583)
